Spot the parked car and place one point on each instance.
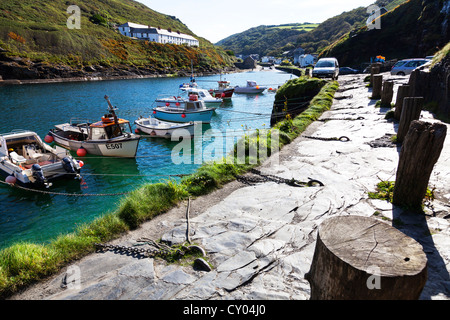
(405, 67)
(347, 70)
(326, 68)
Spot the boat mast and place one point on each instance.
(113, 112)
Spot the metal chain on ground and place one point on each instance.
(342, 139)
(347, 119)
(279, 180)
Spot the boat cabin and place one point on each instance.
(108, 129)
(24, 148)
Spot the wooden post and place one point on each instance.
(410, 111)
(374, 69)
(420, 152)
(402, 92)
(361, 258)
(387, 94)
(377, 84)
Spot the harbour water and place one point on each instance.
(36, 217)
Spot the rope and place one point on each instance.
(342, 139)
(67, 194)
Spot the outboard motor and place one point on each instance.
(38, 174)
(68, 165)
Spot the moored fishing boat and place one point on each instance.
(27, 161)
(109, 137)
(184, 110)
(252, 87)
(163, 129)
(224, 90)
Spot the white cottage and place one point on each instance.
(144, 32)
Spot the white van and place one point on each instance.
(326, 68)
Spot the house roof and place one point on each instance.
(140, 28)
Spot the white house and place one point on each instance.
(305, 60)
(144, 32)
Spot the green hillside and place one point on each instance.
(270, 40)
(416, 28)
(36, 30)
(263, 40)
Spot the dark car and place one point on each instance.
(347, 70)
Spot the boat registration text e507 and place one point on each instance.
(113, 146)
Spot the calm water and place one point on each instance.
(35, 217)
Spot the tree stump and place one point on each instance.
(360, 258)
(410, 111)
(377, 84)
(420, 152)
(387, 94)
(402, 92)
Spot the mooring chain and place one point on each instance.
(347, 119)
(342, 139)
(279, 180)
(157, 251)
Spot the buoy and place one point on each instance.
(153, 133)
(154, 112)
(11, 180)
(167, 104)
(137, 131)
(223, 95)
(183, 115)
(177, 104)
(80, 163)
(48, 139)
(81, 152)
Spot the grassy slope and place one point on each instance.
(25, 263)
(36, 29)
(410, 30)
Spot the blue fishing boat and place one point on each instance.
(184, 110)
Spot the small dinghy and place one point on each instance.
(27, 161)
(164, 129)
(109, 137)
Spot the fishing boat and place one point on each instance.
(184, 110)
(27, 161)
(109, 137)
(203, 95)
(224, 90)
(163, 129)
(252, 87)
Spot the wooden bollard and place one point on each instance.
(360, 258)
(412, 106)
(374, 69)
(387, 94)
(420, 152)
(402, 92)
(377, 85)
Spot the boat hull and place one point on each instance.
(122, 148)
(249, 90)
(222, 93)
(180, 116)
(161, 129)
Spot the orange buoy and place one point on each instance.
(81, 152)
(48, 139)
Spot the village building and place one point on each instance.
(143, 32)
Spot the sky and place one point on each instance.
(216, 20)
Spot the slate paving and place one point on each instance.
(260, 239)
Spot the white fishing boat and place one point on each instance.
(109, 137)
(203, 95)
(164, 129)
(27, 161)
(183, 110)
(252, 87)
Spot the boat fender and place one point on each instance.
(68, 165)
(11, 179)
(153, 133)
